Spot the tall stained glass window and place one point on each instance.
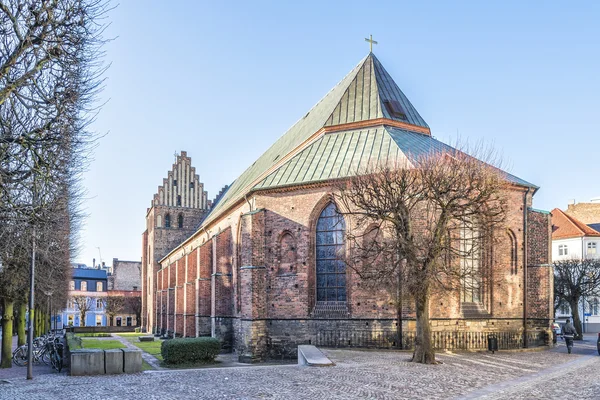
(331, 268)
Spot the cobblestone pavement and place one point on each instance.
(358, 374)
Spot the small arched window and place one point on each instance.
(331, 268)
(167, 221)
(159, 221)
(513, 252)
(180, 221)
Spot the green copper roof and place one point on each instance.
(358, 97)
(366, 93)
(343, 154)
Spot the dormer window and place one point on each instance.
(395, 109)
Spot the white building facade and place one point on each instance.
(574, 240)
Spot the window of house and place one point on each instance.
(178, 200)
(98, 286)
(118, 321)
(180, 221)
(591, 248)
(595, 306)
(98, 320)
(167, 221)
(99, 304)
(83, 286)
(563, 250)
(129, 321)
(331, 268)
(470, 263)
(191, 185)
(70, 319)
(70, 304)
(174, 182)
(71, 285)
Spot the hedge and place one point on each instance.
(190, 350)
(73, 342)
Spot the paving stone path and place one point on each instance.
(149, 358)
(357, 374)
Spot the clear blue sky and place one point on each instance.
(223, 80)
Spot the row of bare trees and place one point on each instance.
(113, 305)
(50, 72)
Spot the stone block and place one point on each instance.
(113, 361)
(87, 362)
(132, 361)
(146, 339)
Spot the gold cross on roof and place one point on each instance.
(371, 42)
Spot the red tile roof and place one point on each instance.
(565, 226)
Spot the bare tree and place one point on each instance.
(113, 305)
(50, 73)
(134, 305)
(575, 280)
(424, 226)
(84, 304)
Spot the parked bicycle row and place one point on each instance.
(47, 349)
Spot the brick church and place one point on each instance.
(248, 269)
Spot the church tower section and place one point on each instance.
(177, 208)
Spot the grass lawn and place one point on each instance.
(102, 344)
(152, 348)
(100, 334)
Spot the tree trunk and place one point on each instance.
(7, 333)
(423, 347)
(21, 315)
(576, 318)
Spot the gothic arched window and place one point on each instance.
(331, 268)
(167, 221)
(180, 221)
(470, 251)
(513, 252)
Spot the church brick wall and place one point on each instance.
(539, 247)
(224, 274)
(275, 294)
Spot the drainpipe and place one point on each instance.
(525, 262)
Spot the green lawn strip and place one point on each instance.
(102, 344)
(135, 334)
(93, 334)
(152, 348)
(146, 366)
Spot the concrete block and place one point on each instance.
(146, 338)
(312, 356)
(113, 361)
(132, 361)
(87, 362)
